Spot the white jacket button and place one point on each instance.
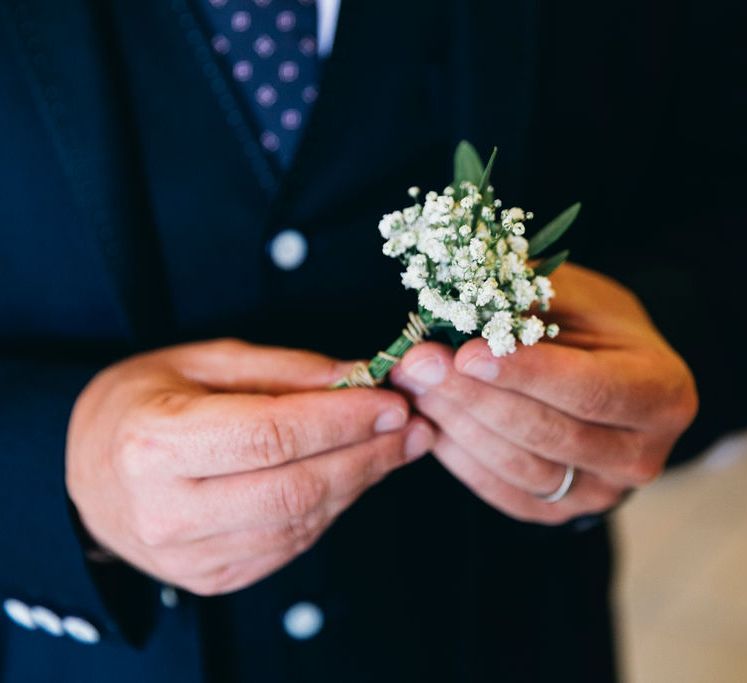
(81, 630)
(303, 620)
(47, 620)
(169, 597)
(288, 249)
(20, 613)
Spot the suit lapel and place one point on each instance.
(73, 80)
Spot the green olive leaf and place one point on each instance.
(550, 264)
(485, 179)
(467, 165)
(554, 230)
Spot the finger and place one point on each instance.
(515, 465)
(208, 555)
(588, 495)
(295, 493)
(607, 386)
(232, 577)
(219, 434)
(525, 422)
(235, 365)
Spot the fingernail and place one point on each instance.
(429, 371)
(481, 368)
(390, 420)
(418, 442)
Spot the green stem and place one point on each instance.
(378, 366)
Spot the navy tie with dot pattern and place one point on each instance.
(270, 49)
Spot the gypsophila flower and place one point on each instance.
(518, 244)
(468, 293)
(463, 316)
(477, 249)
(467, 259)
(516, 215)
(468, 265)
(545, 292)
(499, 333)
(531, 330)
(524, 293)
(415, 277)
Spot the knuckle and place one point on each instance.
(517, 464)
(596, 397)
(643, 471)
(688, 404)
(297, 532)
(136, 454)
(549, 431)
(527, 467)
(298, 495)
(153, 532)
(273, 442)
(156, 528)
(171, 565)
(300, 533)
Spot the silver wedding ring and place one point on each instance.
(562, 490)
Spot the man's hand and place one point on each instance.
(609, 396)
(211, 465)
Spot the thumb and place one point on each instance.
(235, 365)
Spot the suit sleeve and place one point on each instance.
(45, 563)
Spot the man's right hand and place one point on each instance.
(211, 465)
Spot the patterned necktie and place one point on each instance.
(270, 48)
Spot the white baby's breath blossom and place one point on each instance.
(487, 292)
(415, 277)
(545, 291)
(499, 333)
(518, 244)
(531, 330)
(477, 249)
(469, 265)
(516, 215)
(524, 293)
(468, 293)
(467, 259)
(463, 316)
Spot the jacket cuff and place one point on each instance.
(47, 564)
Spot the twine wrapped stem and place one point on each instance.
(374, 372)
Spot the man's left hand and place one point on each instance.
(608, 396)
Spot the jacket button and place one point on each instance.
(81, 630)
(288, 249)
(303, 620)
(20, 613)
(169, 597)
(47, 620)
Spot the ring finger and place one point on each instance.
(588, 495)
(512, 463)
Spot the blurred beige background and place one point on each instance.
(682, 573)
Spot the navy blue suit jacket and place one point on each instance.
(118, 130)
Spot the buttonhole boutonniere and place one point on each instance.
(468, 260)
